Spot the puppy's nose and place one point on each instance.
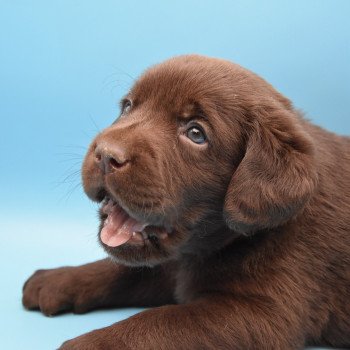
(110, 158)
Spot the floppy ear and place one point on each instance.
(275, 177)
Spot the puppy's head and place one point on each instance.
(202, 152)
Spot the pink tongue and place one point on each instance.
(118, 227)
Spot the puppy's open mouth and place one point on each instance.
(120, 228)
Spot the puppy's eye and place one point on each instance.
(126, 107)
(196, 135)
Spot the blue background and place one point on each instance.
(63, 67)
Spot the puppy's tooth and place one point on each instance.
(137, 236)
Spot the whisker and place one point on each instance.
(77, 159)
(124, 72)
(69, 154)
(70, 191)
(72, 146)
(94, 123)
(68, 179)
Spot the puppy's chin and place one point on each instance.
(137, 256)
(149, 252)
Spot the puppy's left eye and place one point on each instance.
(126, 107)
(196, 135)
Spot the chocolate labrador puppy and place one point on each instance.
(222, 206)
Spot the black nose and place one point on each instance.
(110, 158)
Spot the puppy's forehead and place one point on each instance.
(182, 83)
(163, 87)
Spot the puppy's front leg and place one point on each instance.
(99, 284)
(215, 322)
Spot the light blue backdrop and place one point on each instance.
(63, 67)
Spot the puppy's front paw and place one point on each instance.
(57, 290)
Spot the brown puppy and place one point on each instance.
(219, 197)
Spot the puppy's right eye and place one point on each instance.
(126, 107)
(196, 135)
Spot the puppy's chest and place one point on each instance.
(183, 275)
(187, 285)
(194, 280)
(220, 272)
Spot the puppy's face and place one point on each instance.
(162, 171)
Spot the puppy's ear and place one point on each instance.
(276, 175)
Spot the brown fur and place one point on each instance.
(259, 255)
